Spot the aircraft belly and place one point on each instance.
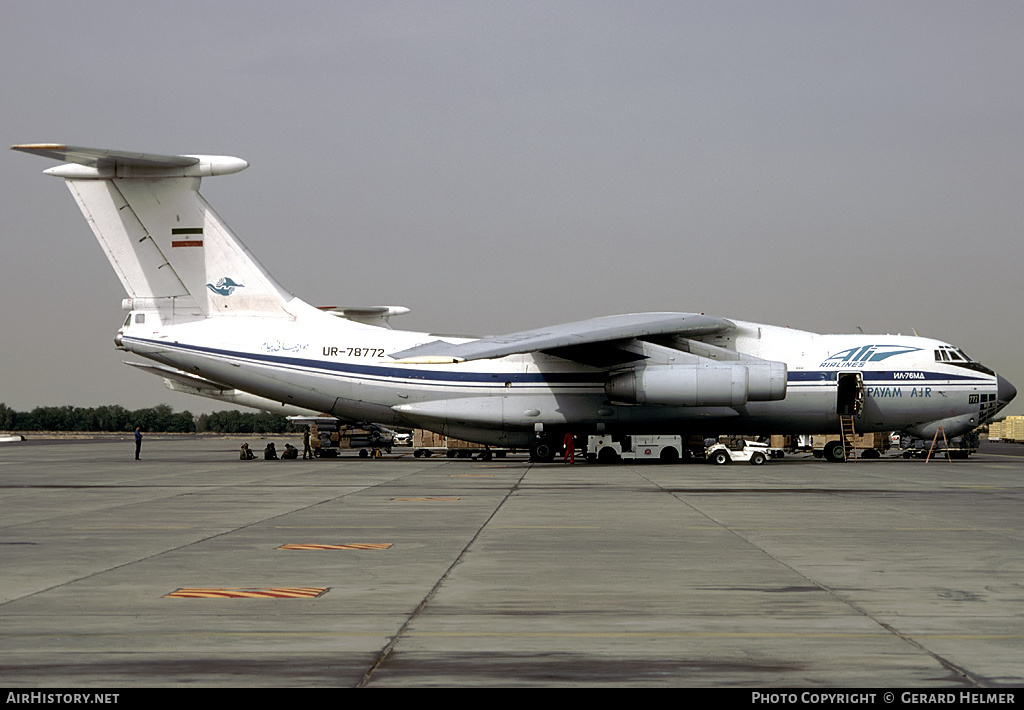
(515, 411)
(951, 426)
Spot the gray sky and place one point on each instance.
(497, 166)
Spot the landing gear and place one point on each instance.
(835, 451)
(543, 450)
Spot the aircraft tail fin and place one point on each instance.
(170, 249)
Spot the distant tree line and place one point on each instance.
(162, 418)
(234, 422)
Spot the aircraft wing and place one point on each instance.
(585, 332)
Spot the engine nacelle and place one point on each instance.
(766, 381)
(730, 384)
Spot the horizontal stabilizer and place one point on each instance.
(106, 163)
(102, 157)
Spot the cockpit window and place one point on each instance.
(140, 318)
(956, 356)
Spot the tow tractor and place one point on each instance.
(736, 449)
(605, 449)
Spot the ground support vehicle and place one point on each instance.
(328, 438)
(960, 447)
(798, 443)
(735, 449)
(606, 449)
(868, 446)
(427, 443)
(371, 441)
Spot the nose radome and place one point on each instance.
(1004, 390)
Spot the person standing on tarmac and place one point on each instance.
(138, 442)
(305, 444)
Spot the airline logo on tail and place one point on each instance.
(224, 287)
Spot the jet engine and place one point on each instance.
(730, 384)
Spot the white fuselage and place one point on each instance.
(321, 362)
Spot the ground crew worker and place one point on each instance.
(305, 445)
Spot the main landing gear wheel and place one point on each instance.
(543, 451)
(835, 451)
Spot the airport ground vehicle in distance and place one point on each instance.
(866, 446)
(199, 301)
(667, 448)
(739, 449)
(328, 437)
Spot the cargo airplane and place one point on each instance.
(199, 302)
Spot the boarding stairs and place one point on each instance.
(849, 436)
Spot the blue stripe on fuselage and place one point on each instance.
(901, 376)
